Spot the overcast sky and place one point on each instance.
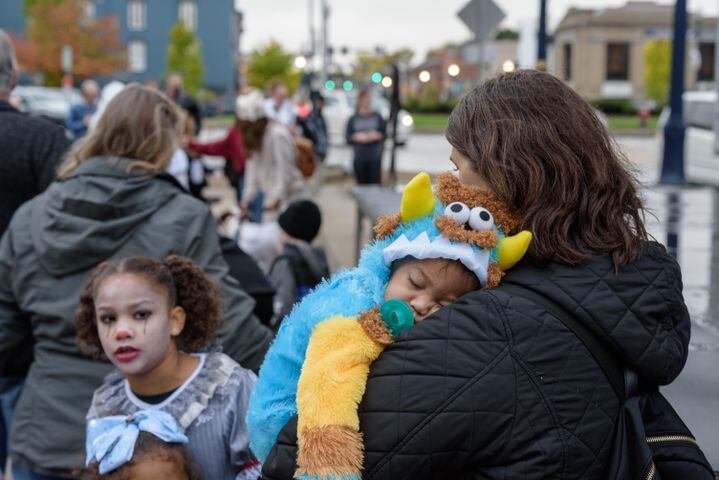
(418, 24)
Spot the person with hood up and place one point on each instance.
(111, 200)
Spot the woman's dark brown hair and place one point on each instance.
(148, 446)
(541, 148)
(186, 285)
(252, 133)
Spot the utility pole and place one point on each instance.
(674, 130)
(311, 22)
(716, 83)
(323, 57)
(542, 40)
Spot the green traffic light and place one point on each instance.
(376, 77)
(347, 85)
(330, 85)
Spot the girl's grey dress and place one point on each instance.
(210, 407)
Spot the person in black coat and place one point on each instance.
(30, 147)
(30, 150)
(496, 385)
(366, 132)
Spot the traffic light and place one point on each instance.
(347, 85)
(376, 77)
(330, 85)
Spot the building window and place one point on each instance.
(188, 14)
(618, 61)
(90, 11)
(567, 52)
(706, 65)
(136, 15)
(137, 56)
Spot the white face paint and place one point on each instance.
(135, 322)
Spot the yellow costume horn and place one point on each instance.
(513, 248)
(417, 198)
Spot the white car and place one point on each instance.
(53, 103)
(701, 161)
(340, 106)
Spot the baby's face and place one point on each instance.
(428, 285)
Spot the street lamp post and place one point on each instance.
(542, 37)
(674, 130)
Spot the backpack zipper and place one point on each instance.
(665, 438)
(652, 471)
(671, 438)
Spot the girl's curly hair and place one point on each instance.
(187, 286)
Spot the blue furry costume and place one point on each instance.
(352, 291)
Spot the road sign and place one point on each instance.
(482, 17)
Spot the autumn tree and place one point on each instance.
(184, 56)
(271, 63)
(657, 64)
(52, 24)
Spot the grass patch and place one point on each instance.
(220, 121)
(430, 120)
(630, 122)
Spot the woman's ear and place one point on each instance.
(177, 321)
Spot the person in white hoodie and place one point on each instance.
(272, 160)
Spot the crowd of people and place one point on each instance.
(131, 345)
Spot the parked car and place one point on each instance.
(340, 106)
(701, 161)
(53, 103)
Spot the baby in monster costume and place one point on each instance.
(433, 251)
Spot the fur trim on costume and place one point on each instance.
(387, 225)
(375, 328)
(330, 451)
(453, 230)
(449, 189)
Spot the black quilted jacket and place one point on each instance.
(494, 386)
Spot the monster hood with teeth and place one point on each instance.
(341, 316)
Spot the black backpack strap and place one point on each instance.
(612, 368)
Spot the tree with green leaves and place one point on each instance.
(272, 63)
(657, 65)
(184, 56)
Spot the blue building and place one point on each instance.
(145, 28)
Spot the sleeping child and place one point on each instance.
(435, 250)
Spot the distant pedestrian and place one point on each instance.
(232, 148)
(176, 92)
(271, 173)
(301, 266)
(81, 113)
(113, 199)
(30, 150)
(195, 176)
(278, 106)
(366, 132)
(314, 127)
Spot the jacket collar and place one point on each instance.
(109, 167)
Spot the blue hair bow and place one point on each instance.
(111, 440)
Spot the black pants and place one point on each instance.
(368, 170)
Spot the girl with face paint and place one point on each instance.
(151, 319)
